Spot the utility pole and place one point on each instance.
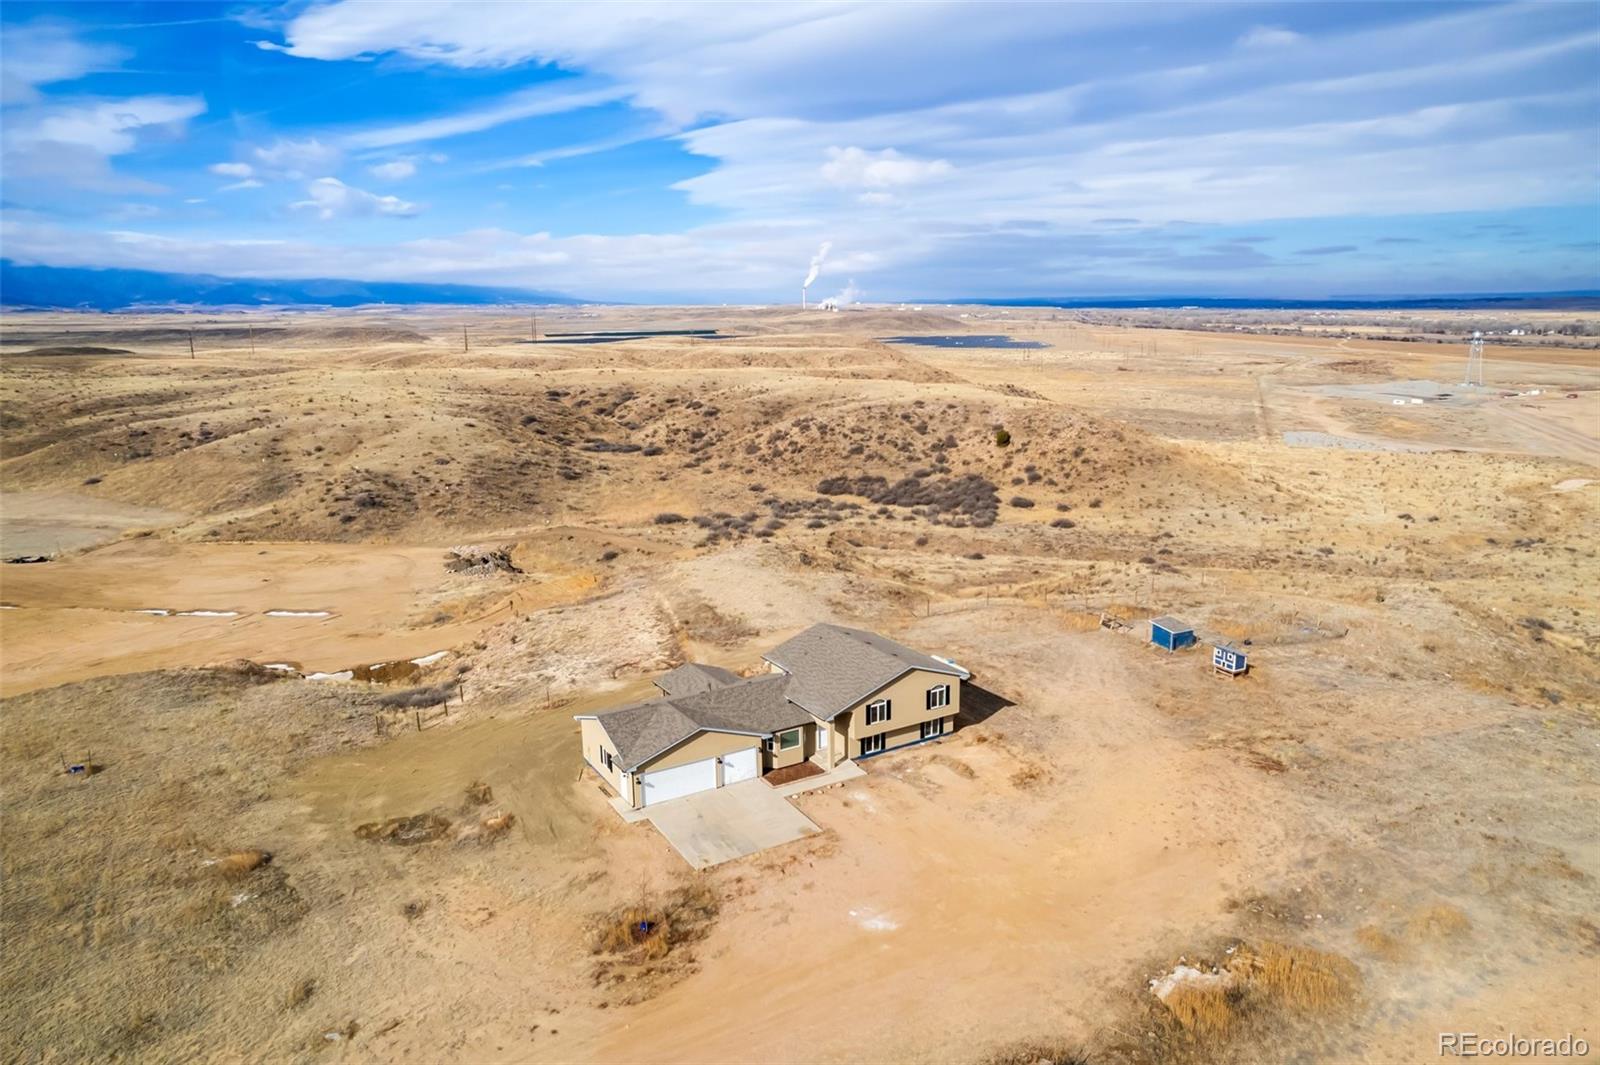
(463, 338)
(191, 342)
(535, 334)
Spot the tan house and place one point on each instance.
(832, 694)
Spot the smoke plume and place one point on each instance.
(816, 263)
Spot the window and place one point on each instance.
(877, 711)
(605, 756)
(933, 728)
(872, 744)
(939, 697)
(788, 740)
(767, 744)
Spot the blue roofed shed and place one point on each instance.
(1167, 631)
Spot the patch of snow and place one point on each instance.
(874, 922)
(280, 667)
(343, 674)
(299, 613)
(157, 611)
(1187, 976)
(208, 613)
(428, 660)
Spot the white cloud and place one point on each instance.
(396, 170)
(1012, 134)
(247, 183)
(859, 168)
(104, 126)
(234, 170)
(43, 53)
(529, 103)
(1269, 37)
(68, 143)
(295, 159)
(331, 198)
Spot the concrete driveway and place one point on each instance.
(716, 826)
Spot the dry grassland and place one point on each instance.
(1386, 830)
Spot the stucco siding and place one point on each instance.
(595, 741)
(779, 758)
(908, 700)
(701, 745)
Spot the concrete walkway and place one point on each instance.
(716, 826)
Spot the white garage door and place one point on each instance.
(664, 784)
(741, 765)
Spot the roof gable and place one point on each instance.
(754, 707)
(832, 667)
(693, 678)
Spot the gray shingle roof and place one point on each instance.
(756, 707)
(1171, 624)
(832, 667)
(692, 678)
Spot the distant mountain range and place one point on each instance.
(1584, 299)
(115, 290)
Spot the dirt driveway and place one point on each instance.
(716, 826)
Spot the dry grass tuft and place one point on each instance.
(1380, 944)
(300, 993)
(497, 823)
(1298, 977)
(1438, 922)
(647, 931)
(241, 863)
(955, 765)
(1206, 1010)
(1029, 776)
(1050, 1051)
(405, 831)
(1266, 762)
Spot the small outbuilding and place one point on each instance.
(1229, 660)
(1170, 633)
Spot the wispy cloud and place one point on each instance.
(1269, 37)
(394, 170)
(331, 198)
(531, 103)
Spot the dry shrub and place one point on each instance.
(647, 931)
(497, 823)
(1438, 922)
(479, 794)
(405, 831)
(641, 931)
(1028, 776)
(241, 863)
(300, 993)
(1298, 977)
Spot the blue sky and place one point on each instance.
(682, 152)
